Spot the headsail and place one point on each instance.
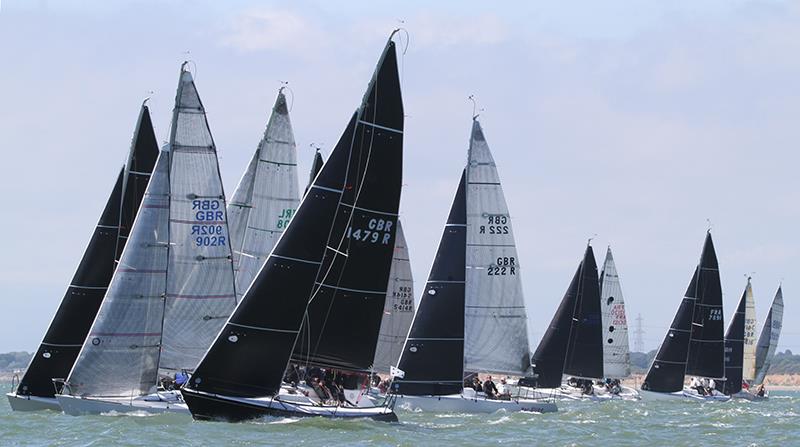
(768, 339)
(73, 319)
(399, 308)
(266, 197)
(327, 256)
(735, 343)
(495, 322)
(433, 355)
(669, 368)
(616, 353)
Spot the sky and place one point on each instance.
(637, 123)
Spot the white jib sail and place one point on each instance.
(616, 351)
(120, 354)
(768, 340)
(749, 348)
(495, 322)
(398, 310)
(266, 198)
(200, 284)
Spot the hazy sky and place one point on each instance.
(633, 120)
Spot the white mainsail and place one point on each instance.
(398, 310)
(174, 287)
(749, 346)
(265, 199)
(495, 321)
(616, 351)
(770, 334)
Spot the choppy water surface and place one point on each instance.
(673, 423)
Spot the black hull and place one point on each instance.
(213, 408)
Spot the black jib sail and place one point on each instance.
(691, 334)
(734, 349)
(433, 356)
(551, 354)
(329, 269)
(585, 349)
(73, 319)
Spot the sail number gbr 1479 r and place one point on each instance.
(378, 231)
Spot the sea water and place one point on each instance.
(775, 422)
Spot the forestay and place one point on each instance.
(495, 322)
(616, 352)
(770, 334)
(200, 284)
(265, 199)
(399, 308)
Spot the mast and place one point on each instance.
(693, 332)
(768, 339)
(616, 352)
(68, 329)
(585, 348)
(433, 354)
(327, 256)
(734, 345)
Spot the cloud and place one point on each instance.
(272, 29)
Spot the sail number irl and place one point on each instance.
(495, 225)
(210, 231)
(377, 231)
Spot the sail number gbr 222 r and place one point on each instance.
(378, 231)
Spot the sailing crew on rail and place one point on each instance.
(490, 388)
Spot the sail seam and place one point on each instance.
(258, 328)
(295, 259)
(378, 126)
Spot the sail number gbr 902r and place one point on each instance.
(209, 231)
(377, 231)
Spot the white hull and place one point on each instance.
(76, 406)
(568, 393)
(456, 403)
(682, 395)
(32, 403)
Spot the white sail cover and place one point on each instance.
(495, 322)
(120, 354)
(616, 351)
(200, 283)
(749, 346)
(398, 310)
(265, 199)
(768, 340)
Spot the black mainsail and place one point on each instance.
(316, 166)
(694, 343)
(73, 319)
(557, 346)
(328, 272)
(734, 348)
(585, 348)
(433, 356)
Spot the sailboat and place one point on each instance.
(471, 318)
(740, 347)
(174, 287)
(265, 199)
(328, 274)
(67, 331)
(768, 339)
(694, 344)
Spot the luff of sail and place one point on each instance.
(669, 368)
(200, 292)
(433, 354)
(616, 352)
(495, 321)
(67, 331)
(398, 311)
(358, 189)
(769, 337)
(266, 197)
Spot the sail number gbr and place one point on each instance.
(495, 225)
(210, 218)
(504, 266)
(378, 231)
